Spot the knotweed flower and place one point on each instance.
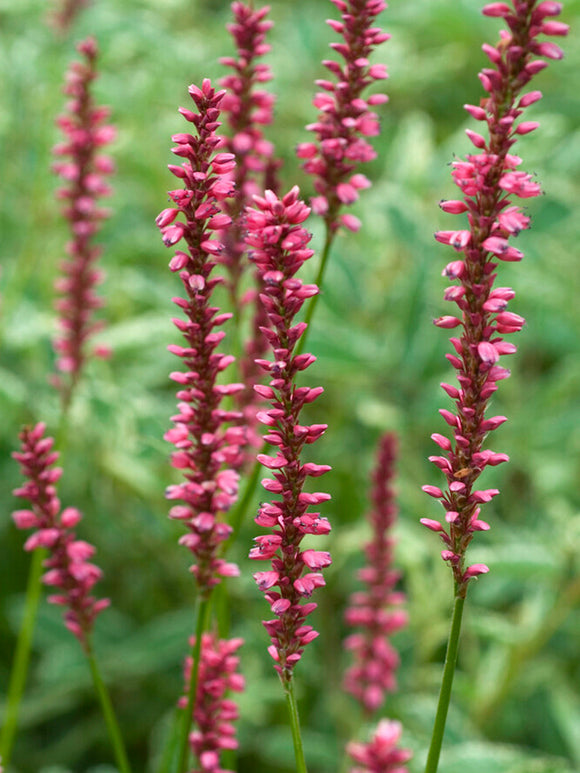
(345, 118)
(280, 247)
(246, 109)
(214, 712)
(68, 564)
(375, 610)
(381, 754)
(207, 451)
(488, 180)
(84, 172)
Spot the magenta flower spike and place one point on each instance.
(280, 247)
(488, 180)
(377, 609)
(214, 712)
(380, 754)
(64, 14)
(207, 446)
(68, 565)
(84, 172)
(246, 109)
(345, 118)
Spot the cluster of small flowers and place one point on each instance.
(246, 110)
(214, 713)
(85, 170)
(245, 107)
(375, 610)
(68, 562)
(487, 180)
(279, 244)
(381, 754)
(207, 451)
(345, 118)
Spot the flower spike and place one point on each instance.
(345, 118)
(280, 247)
(69, 568)
(488, 180)
(84, 173)
(207, 445)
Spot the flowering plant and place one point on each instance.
(299, 273)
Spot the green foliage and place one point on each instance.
(516, 707)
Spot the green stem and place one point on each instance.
(238, 513)
(171, 743)
(108, 713)
(203, 617)
(446, 684)
(295, 725)
(318, 282)
(19, 670)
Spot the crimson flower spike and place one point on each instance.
(345, 118)
(69, 568)
(376, 610)
(207, 451)
(488, 180)
(214, 712)
(280, 247)
(246, 109)
(84, 172)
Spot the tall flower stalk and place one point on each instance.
(344, 121)
(376, 610)
(488, 180)
(246, 109)
(207, 444)
(70, 571)
(83, 169)
(279, 246)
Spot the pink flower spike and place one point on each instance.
(84, 174)
(487, 180)
(214, 711)
(67, 562)
(376, 610)
(207, 450)
(279, 243)
(345, 120)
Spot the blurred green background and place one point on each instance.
(516, 705)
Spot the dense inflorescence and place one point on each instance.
(84, 172)
(246, 109)
(487, 179)
(380, 754)
(345, 118)
(207, 445)
(377, 609)
(214, 712)
(279, 246)
(68, 564)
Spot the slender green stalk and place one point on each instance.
(108, 713)
(239, 511)
(318, 281)
(294, 725)
(203, 616)
(446, 684)
(19, 670)
(171, 743)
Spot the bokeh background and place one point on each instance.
(516, 704)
